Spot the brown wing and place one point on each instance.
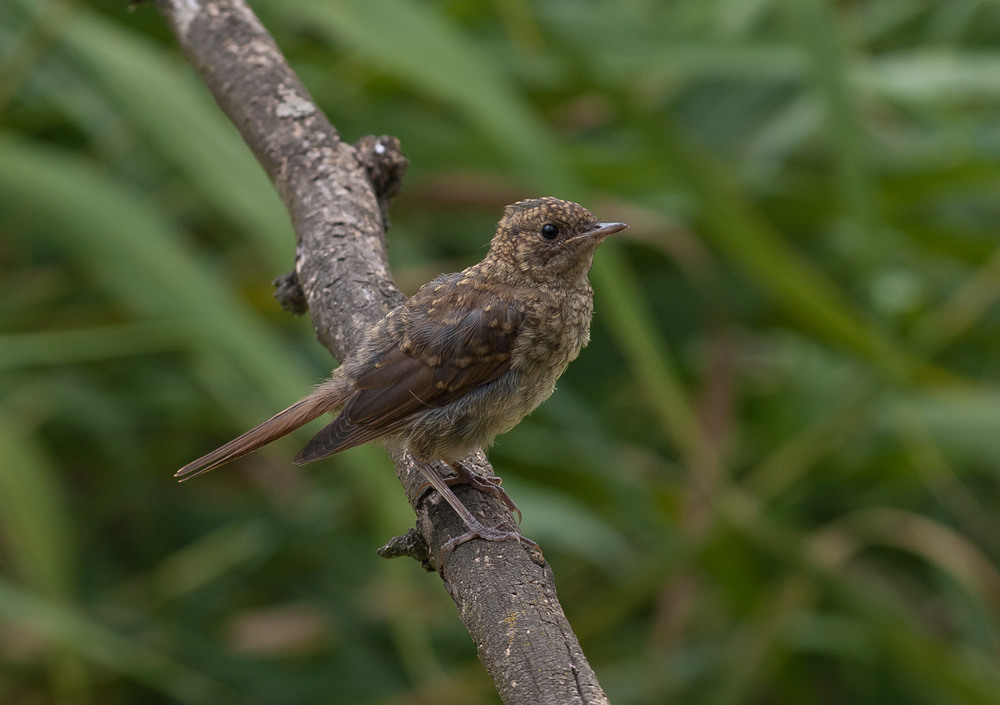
(454, 341)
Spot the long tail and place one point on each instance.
(281, 424)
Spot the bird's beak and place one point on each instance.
(602, 230)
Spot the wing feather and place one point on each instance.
(445, 350)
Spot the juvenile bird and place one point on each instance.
(463, 360)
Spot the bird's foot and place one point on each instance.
(487, 534)
(475, 528)
(489, 485)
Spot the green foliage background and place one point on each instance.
(772, 478)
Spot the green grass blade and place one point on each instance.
(133, 252)
(165, 102)
(419, 45)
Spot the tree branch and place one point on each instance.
(337, 196)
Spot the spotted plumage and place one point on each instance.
(466, 357)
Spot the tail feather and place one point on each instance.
(281, 424)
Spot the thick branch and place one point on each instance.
(337, 195)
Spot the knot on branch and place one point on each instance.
(385, 165)
(288, 293)
(411, 544)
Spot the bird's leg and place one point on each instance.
(489, 485)
(476, 528)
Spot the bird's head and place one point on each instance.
(549, 240)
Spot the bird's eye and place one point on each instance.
(550, 231)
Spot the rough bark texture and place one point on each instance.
(337, 196)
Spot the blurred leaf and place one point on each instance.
(819, 37)
(559, 522)
(417, 43)
(163, 100)
(38, 533)
(129, 249)
(940, 77)
(746, 237)
(208, 558)
(94, 642)
(965, 421)
(64, 347)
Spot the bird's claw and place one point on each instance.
(487, 534)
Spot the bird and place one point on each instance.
(460, 362)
